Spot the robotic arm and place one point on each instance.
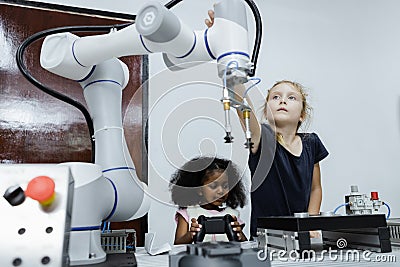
(157, 29)
(92, 61)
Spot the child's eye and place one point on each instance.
(275, 97)
(292, 97)
(225, 187)
(212, 186)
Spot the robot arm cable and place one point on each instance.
(226, 69)
(258, 80)
(172, 3)
(257, 39)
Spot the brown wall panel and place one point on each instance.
(36, 127)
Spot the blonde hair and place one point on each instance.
(305, 111)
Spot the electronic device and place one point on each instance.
(215, 225)
(368, 232)
(358, 203)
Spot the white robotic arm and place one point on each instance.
(156, 29)
(92, 61)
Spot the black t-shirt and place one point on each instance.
(281, 181)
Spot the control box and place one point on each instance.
(35, 215)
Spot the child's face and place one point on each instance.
(215, 189)
(284, 105)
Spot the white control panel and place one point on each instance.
(33, 232)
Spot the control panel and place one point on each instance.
(35, 206)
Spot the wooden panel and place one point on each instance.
(37, 128)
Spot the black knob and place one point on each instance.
(228, 138)
(248, 144)
(14, 195)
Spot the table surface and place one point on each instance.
(374, 259)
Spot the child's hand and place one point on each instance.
(209, 22)
(194, 227)
(237, 228)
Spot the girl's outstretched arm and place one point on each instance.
(316, 192)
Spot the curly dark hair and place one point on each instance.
(187, 180)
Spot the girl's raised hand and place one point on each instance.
(209, 22)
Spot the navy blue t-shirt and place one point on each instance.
(281, 181)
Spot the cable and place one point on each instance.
(104, 227)
(22, 67)
(342, 205)
(226, 69)
(251, 86)
(387, 206)
(172, 3)
(257, 38)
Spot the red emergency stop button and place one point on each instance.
(41, 188)
(374, 196)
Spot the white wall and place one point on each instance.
(346, 52)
